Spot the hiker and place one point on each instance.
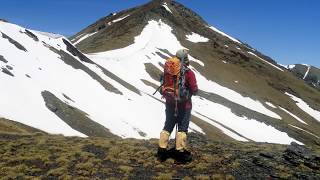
(178, 85)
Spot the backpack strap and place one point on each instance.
(182, 83)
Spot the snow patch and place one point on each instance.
(224, 34)
(291, 66)
(120, 19)
(304, 131)
(265, 61)
(196, 60)
(77, 37)
(50, 35)
(193, 127)
(307, 72)
(305, 107)
(196, 38)
(223, 129)
(271, 105)
(167, 8)
(84, 37)
(296, 117)
(284, 66)
(211, 86)
(248, 128)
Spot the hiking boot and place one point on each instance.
(162, 154)
(183, 157)
(164, 139)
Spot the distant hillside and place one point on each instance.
(310, 74)
(8, 126)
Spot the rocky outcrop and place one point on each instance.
(15, 43)
(74, 117)
(31, 35)
(6, 71)
(74, 51)
(299, 155)
(3, 20)
(3, 59)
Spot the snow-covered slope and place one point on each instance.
(128, 114)
(34, 70)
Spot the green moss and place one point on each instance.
(302, 167)
(58, 172)
(126, 169)
(164, 176)
(66, 158)
(235, 165)
(284, 172)
(201, 167)
(217, 177)
(160, 166)
(202, 177)
(187, 178)
(230, 177)
(11, 176)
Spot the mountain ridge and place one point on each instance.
(310, 74)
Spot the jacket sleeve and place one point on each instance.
(192, 82)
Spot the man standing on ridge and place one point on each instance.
(178, 86)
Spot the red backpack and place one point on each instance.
(171, 76)
(173, 85)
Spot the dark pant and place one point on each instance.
(182, 119)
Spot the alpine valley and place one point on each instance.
(84, 106)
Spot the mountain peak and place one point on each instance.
(129, 23)
(162, 1)
(3, 20)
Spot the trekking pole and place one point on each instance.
(162, 83)
(175, 98)
(175, 138)
(157, 89)
(176, 108)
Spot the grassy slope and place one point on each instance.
(8, 126)
(51, 157)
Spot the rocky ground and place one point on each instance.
(42, 156)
